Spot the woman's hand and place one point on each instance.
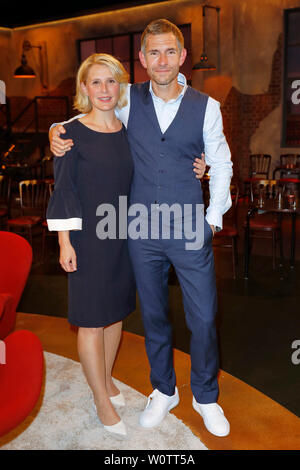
(67, 257)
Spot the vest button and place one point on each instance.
(163, 139)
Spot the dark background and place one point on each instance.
(13, 14)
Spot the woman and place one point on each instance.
(98, 170)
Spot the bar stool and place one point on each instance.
(259, 169)
(265, 225)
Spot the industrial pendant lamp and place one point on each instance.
(25, 71)
(205, 64)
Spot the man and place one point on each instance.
(168, 123)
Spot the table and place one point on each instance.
(271, 205)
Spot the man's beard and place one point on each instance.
(165, 81)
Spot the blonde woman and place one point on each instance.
(98, 170)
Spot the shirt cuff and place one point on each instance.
(214, 217)
(60, 225)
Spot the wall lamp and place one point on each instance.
(25, 71)
(204, 63)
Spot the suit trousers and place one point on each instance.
(151, 260)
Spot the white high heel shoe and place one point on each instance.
(118, 428)
(118, 400)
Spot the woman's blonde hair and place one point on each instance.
(81, 101)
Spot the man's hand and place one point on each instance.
(199, 166)
(213, 229)
(59, 146)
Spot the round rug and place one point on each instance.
(67, 420)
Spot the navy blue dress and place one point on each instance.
(97, 170)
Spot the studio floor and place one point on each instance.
(257, 324)
(257, 422)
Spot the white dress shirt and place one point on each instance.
(217, 153)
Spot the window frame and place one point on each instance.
(285, 91)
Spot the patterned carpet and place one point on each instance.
(66, 420)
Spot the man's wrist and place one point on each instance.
(214, 217)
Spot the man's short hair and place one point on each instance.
(162, 26)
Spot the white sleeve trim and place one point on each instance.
(64, 224)
(78, 116)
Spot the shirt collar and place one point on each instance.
(181, 80)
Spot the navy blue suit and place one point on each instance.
(163, 173)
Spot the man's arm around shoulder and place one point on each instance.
(60, 146)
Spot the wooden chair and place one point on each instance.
(290, 161)
(259, 169)
(227, 237)
(260, 165)
(289, 167)
(32, 206)
(265, 225)
(290, 173)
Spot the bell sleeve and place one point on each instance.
(64, 209)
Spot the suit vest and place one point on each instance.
(163, 162)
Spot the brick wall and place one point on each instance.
(243, 113)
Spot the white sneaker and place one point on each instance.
(213, 417)
(157, 407)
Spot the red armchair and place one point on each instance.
(21, 352)
(21, 374)
(15, 263)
